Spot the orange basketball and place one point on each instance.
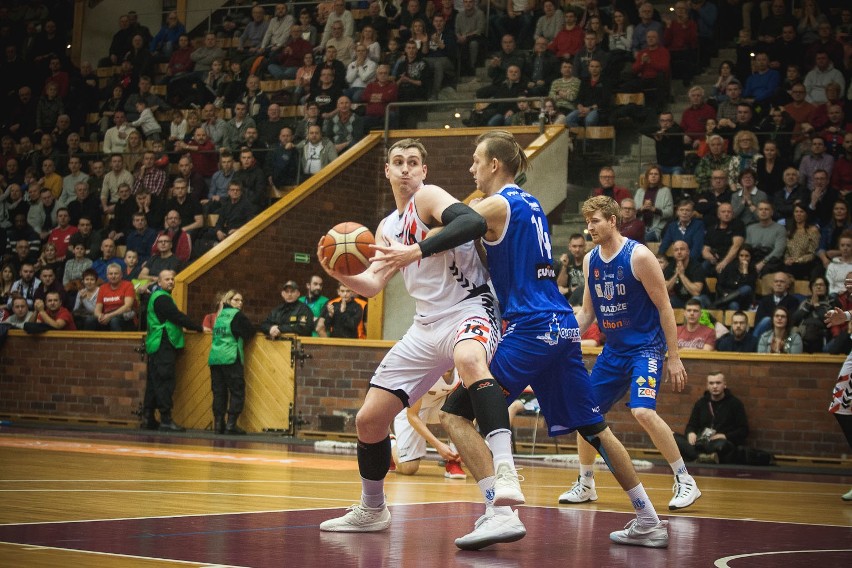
(347, 248)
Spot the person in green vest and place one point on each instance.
(164, 339)
(314, 299)
(227, 358)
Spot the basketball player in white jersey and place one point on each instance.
(411, 427)
(456, 325)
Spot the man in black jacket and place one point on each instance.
(739, 340)
(290, 317)
(717, 425)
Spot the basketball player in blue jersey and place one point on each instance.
(626, 292)
(540, 346)
(456, 325)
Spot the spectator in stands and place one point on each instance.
(115, 139)
(841, 173)
(287, 61)
(376, 96)
(26, 284)
(723, 240)
(42, 216)
(441, 53)
(72, 275)
(746, 197)
(569, 40)
(120, 43)
(716, 159)
(235, 128)
(345, 128)
(570, 279)
(737, 282)
(839, 266)
(762, 84)
(22, 117)
(745, 153)
(304, 78)
(107, 257)
(282, 161)
(780, 297)
(152, 101)
(470, 34)
(820, 76)
(818, 159)
(508, 55)
(685, 228)
(50, 271)
(739, 340)
(591, 50)
(550, 22)
(70, 181)
(370, 38)
(822, 198)
(606, 177)
(140, 56)
(60, 235)
(809, 317)
(685, 279)
(115, 309)
(142, 238)
(248, 48)
(290, 317)
(182, 242)
(20, 252)
(413, 11)
(657, 206)
(499, 113)
(166, 40)
(413, 78)
(790, 195)
(693, 334)
(668, 140)
(188, 209)
(707, 202)
(781, 338)
(315, 151)
(593, 100)
(800, 258)
(565, 90)
(343, 317)
(255, 99)
(50, 179)
(646, 23)
(89, 238)
(631, 226)
(767, 239)
(695, 117)
(277, 31)
(359, 73)
(20, 313)
(800, 110)
(327, 91)
(162, 259)
(117, 175)
(48, 108)
(727, 109)
(310, 117)
(834, 96)
(344, 17)
(219, 183)
(831, 231)
(234, 213)
(773, 164)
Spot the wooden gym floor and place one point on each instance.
(98, 499)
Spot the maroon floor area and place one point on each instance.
(422, 535)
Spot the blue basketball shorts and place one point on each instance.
(639, 372)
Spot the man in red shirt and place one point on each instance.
(60, 235)
(608, 187)
(695, 117)
(203, 153)
(115, 308)
(692, 334)
(377, 95)
(653, 68)
(51, 315)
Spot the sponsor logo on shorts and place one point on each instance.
(652, 382)
(640, 381)
(652, 366)
(648, 393)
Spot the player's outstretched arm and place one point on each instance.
(648, 271)
(413, 414)
(370, 282)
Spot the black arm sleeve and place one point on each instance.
(242, 327)
(461, 224)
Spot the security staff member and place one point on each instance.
(290, 317)
(230, 332)
(165, 337)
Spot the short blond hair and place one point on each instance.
(606, 205)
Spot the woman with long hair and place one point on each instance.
(419, 34)
(48, 259)
(620, 36)
(770, 169)
(231, 330)
(737, 282)
(745, 152)
(304, 74)
(7, 278)
(781, 338)
(841, 220)
(809, 317)
(135, 150)
(655, 203)
(726, 75)
(800, 258)
(369, 40)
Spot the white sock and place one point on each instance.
(372, 493)
(500, 442)
(587, 473)
(645, 512)
(679, 468)
(486, 486)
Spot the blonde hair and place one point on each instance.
(502, 145)
(606, 205)
(745, 134)
(228, 296)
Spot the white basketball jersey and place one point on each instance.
(444, 280)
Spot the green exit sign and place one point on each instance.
(301, 258)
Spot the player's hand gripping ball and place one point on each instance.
(346, 247)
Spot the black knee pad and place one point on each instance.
(374, 459)
(488, 400)
(458, 403)
(592, 430)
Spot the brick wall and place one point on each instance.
(101, 378)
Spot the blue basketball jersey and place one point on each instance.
(623, 308)
(522, 266)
